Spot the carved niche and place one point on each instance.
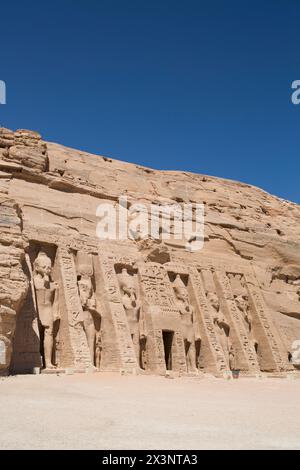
(47, 304)
(132, 304)
(90, 309)
(188, 321)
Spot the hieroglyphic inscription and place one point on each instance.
(74, 309)
(111, 282)
(156, 286)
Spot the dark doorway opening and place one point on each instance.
(168, 341)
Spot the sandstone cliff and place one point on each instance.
(250, 260)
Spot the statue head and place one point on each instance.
(42, 264)
(178, 282)
(213, 299)
(242, 302)
(180, 289)
(182, 294)
(84, 287)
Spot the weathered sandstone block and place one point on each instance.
(7, 137)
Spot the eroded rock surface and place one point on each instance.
(241, 291)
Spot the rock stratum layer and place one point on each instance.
(70, 300)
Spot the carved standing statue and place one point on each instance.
(47, 303)
(132, 307)
(222, 329)
(189, 325)
(91, 314)
(243, 306)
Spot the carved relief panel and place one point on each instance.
(165, 346)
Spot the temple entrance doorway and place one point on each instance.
(168, 342)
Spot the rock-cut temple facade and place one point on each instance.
(72, 301)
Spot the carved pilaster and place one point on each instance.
(73, 344)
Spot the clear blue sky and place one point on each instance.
(202, 86)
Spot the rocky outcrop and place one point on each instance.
(247, 272)
(13, 281)
(24, 148)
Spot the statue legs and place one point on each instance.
(90, 332)
(136, 344)
(48, 347)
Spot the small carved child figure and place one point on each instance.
(232, 358)
(47, 303)
(98, 350)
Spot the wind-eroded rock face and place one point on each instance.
(13, 281)
(68, 299)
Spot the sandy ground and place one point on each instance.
(109, 411)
